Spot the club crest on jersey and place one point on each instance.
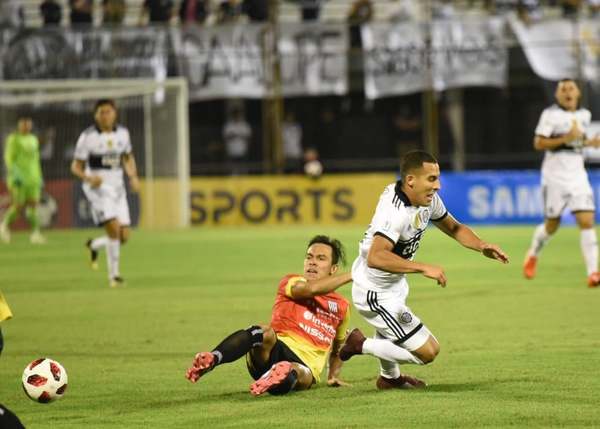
(406, 317)
(333, 306)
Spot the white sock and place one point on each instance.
(387, 350)
(589, 248)
(540, 238)
(113, 250)
(389, 369)
(99, 242)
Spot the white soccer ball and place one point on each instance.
(44, 380)
(313, 168)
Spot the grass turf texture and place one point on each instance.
(513, 352)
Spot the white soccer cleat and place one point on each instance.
(37, 238)
(4, 233)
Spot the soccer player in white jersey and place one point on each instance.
(386, 253)
(561, 134)
(102, 152)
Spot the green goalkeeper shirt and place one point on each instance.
(22, 159)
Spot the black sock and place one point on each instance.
(238, 344)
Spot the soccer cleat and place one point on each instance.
(353, 345)
(594, 279)
(203, 362)
(4, 233)
(116, 282)
(402, 382)
(37, 238)
(529, 266)
(93, 255)
(272, 378)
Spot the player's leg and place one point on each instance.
(97, 207)
(31, 213)
(233, 347)
(555, 201)
(589, 245)
(17, 198)
(113, 251)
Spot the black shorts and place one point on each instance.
(280, 352)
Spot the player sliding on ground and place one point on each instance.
(309, 322)
(386, 255)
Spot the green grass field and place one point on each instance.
(513, 353)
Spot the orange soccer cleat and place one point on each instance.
(529, 266)
(594, 279)
(203, 362)
(276, 376)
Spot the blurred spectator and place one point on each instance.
(193, 11)
(311, 9)
(156, 11)
(406, 11)
(81, 11)
(594, 6)
(229, 12)
(236, 135)
(443, 9)
(360, 13)
(570, 8)
(406, 130)
(529, 11)
(51, 12)
(12, 13)
(291, 133)
(256, 10)
(312, 165)
(113, 12)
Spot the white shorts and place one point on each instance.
(391, 318)
(107, 203)
(558, 197)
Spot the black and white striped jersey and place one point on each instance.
(403, 224)
(102, 153)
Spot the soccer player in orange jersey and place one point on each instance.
(308, 324)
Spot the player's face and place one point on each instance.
(567, 94)
(318, 263)
(24, 125)
(422, 185)
(106, 116)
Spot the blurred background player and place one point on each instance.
(5, 314)
(561, 134)
(282, 356)
(386, 253)
(24, 179)
(102, 152)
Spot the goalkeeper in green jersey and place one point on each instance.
(24, 179)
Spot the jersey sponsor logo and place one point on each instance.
(408, 248)
(315, 332)
(308, 315)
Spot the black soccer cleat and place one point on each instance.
(93, 255)
(116, 282)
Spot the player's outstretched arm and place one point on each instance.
(467, 237)
(549, 143)
(308, 289)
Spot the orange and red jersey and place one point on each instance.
(309, 326)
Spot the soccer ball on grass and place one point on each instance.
(44, 380)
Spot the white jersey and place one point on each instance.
(103, 152)
(565, 164)
(402, 224)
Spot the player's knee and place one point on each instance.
(586, 223)
(258, 336)
(430, 354)
(268, 334)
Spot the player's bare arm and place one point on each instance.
(467, 237)
(381, 257)
(130, 168)
(335, 366)
(593, 142)
(78, 169)
(311, 288)
(548, 143)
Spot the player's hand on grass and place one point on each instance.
(492, 251)
(435, 273)
(94, 181)
(336, 382)
(134, 183)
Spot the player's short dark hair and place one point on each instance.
(414, 160)
(105, 101)
(338, 254)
